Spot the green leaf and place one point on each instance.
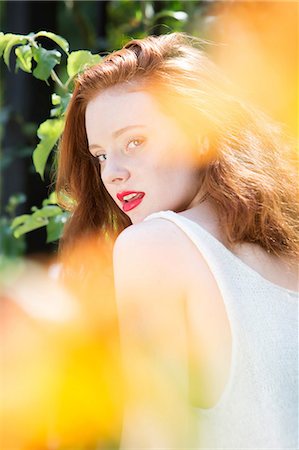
(4, 38)
(19, 220)
(47, 211)
(46, 60)
(56, 99)
(14, 40)
(81, 60)
(49, 133)
(61, 103)
(63, 43)
(10, 249)
(51, 200)
(55, 226)
(30, 223)
(24, 58)
(39, 218)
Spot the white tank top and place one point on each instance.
(259, 406)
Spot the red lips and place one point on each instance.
(134, 198)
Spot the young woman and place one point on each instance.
(200, 189)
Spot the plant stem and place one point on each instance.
(68, 82)
(57, 80)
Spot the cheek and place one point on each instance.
(106, 186)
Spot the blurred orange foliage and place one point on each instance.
(257, 46)
(61, 382)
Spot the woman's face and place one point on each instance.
(145, 157)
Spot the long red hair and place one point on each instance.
(250, 173)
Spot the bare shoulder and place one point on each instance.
(151, 254)
(156, 256)
(156, 239)
(149, 232)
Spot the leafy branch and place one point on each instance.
(50, 215)
(32, 57)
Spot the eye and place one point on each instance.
(135, 142)
(101, 158)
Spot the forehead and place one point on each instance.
(122, 106)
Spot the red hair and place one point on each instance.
(251, 171)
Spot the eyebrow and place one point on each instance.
(122, 130)
(117, 133)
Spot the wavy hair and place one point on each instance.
(250, 172)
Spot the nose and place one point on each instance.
(114, 172)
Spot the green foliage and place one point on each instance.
(49, 215)
(10, 247)
(127, 19)
(45, 60)
(48, 133)
(31, 57)
(9, 44)
(79, 61)
(54, 37)
(24, 58)
(60, 102)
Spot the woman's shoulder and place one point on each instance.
(154, 250)
(159, 252)
(154, 241)
(148, 233)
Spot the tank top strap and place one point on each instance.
(215, 254)
(221, 261)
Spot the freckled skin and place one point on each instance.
(152, 156)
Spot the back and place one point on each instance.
(259, 405)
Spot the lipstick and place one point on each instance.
(130, 199)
